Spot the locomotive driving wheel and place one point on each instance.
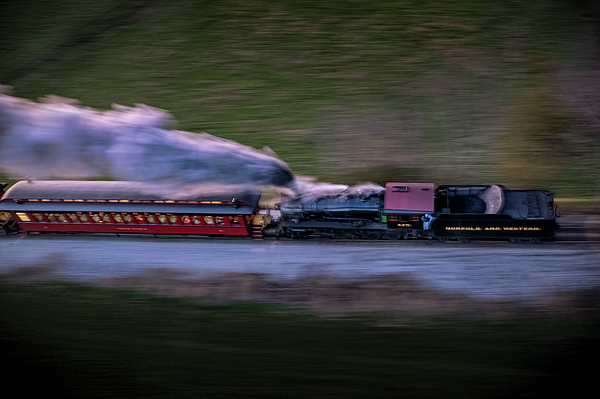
(392, 235)
(302, 235)
(371, 234)
(344, 234)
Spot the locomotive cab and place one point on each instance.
(408, 207)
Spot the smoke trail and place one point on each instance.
(310, 190)
(59, 138)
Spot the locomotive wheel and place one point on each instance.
(344, 234)
(392, 235)
(301, 235)
(525, 240)
(454, 240)
(372, 234)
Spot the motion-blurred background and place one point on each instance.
(468, 91)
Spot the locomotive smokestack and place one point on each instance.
(59, 138)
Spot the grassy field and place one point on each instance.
(77, 341)
(348, 91)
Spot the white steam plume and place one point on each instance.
(60, 139)
(309, 189)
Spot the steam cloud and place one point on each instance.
(59, 138)
(310, 190)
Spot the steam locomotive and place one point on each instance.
(419, 210)
(396, 211)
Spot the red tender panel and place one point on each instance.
(409, 197)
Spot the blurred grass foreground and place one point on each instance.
(447, 91)
(77, 341)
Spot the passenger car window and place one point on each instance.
(23, 217)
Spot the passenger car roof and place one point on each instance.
(116, 190)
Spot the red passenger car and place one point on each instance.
(124, 207)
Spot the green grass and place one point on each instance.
(336, 88)
(74, 340)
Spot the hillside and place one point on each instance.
(347, 90)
